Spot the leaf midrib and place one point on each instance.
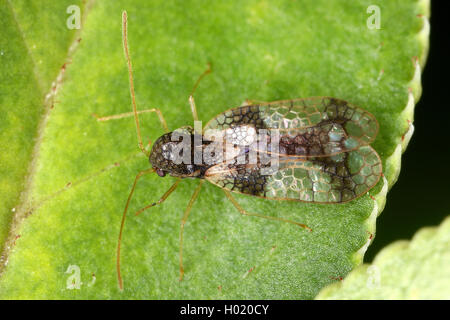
(46, 95)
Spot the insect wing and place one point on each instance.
(311, 127)
(335, 179)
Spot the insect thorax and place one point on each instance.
(173, 153)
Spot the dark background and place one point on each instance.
(421, 196)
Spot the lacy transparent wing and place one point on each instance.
(335, 179)
(310, 127)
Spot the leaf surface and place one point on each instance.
(416, 269)
(75, 173)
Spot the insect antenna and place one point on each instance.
(191, 96)
(119, 242)
(130, 77)
(207, 71)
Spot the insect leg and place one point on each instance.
(122, 223)
(131, 114)
(191, 96)
(183, 222)
(164, 197)
(244, 212)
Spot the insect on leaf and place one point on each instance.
(323, 152)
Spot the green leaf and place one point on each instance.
(81, 171)
(34, 45)
(416, 269)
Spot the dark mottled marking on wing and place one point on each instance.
(244, 178)
(320, 126)
(245, 115)
(324, 139)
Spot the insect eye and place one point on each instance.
(160, 172)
